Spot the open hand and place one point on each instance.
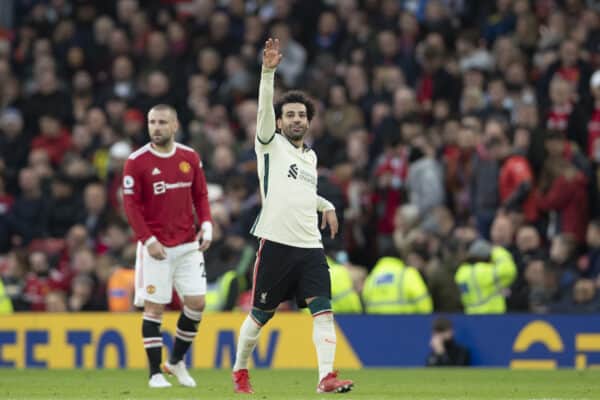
(157, 251)
(271, 54)
(330, 218)
(204, 243)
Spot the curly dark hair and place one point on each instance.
(295, 96)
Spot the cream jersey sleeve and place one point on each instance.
(323, 204)
(265, 119)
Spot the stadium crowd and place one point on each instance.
(458, 139)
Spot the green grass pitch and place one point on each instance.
(377, 384)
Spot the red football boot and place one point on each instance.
(331, 384)
(241, 381)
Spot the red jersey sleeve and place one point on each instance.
(200, 192)
(558, 195)
(521, 171)
(133, 200)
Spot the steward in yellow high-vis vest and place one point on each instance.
(344, 299)
(218, 293)
(394, 288)
(5, 302)
(484, 277)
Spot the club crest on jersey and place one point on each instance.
(185, 167)
(293, 171)
(263, 297)
(150, 289)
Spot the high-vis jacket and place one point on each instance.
(344, 299)
(5, 302)
(218, 292)
(482, 283)
(394, 288)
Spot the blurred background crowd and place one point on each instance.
(458, 139)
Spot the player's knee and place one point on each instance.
(196, 303)
(153, 310)
(260, 316)
(319, 305)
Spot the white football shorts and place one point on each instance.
(183, 269)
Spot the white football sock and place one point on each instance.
(324, 339)
(247, 339)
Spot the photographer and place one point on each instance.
(445, 351)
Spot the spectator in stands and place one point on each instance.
(133, 127)
(528, 240)
(564, 114)
(82, 289)
(341, 116)
(458, 166)
(562, 258)
(53, 138)
(502, 232)
(13, 278)
(14, 146)
(584, 298)
(485, 196)
(6, 202)
(48, 99)
(96, 212)
(570, 67)
(564, 189)
(40, 280)
(539, 287)
(64, 207)
(116, 238)
(28, 216)
(83, 96)
(56, 301)
(158, 90)
(445, 351)
(294, 54)
(425, 176)
(222, 166)
(589, 266)
(77, 238)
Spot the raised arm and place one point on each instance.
(265, 120)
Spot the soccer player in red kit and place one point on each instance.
(163, 182)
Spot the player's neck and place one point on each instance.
(163, 149)
(299, 143)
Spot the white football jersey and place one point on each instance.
(288, 181)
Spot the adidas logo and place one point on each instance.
(293, 172)
(155, 171)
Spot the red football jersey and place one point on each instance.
(160, 192)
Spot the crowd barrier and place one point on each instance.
(105, 340)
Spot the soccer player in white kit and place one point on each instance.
(163, 182)
(290, 261)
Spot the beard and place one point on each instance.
(289, 132)
(160, 141)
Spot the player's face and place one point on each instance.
(162, 126)
(294, 121)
